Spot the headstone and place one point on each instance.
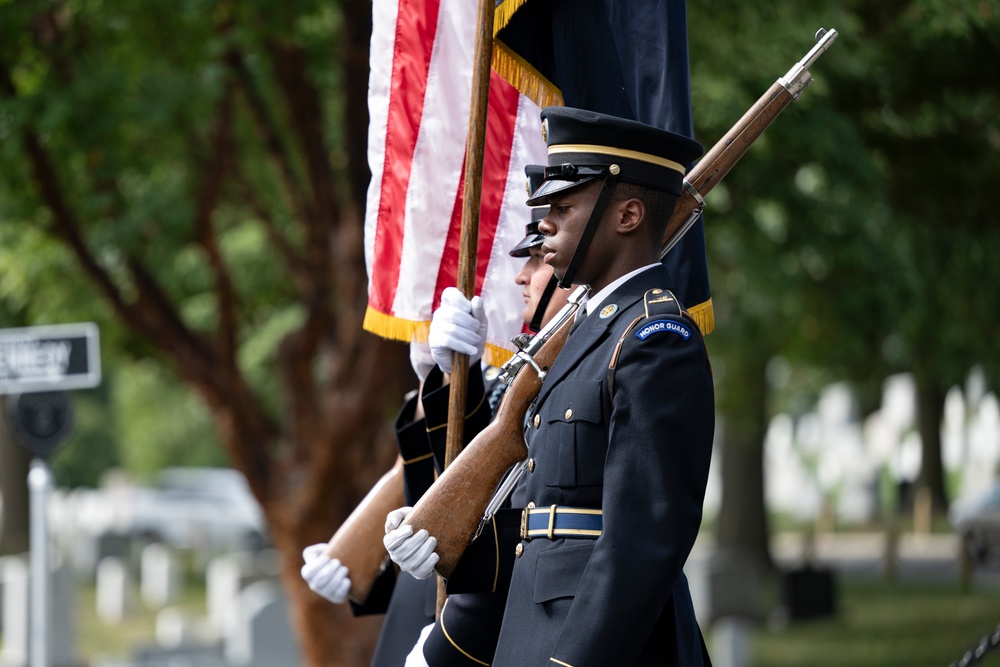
(17, 638)
(159, 575)
(115, 590)
(14, 570)
(732, 642)
(175, 628)
(808, 592)
(723, 583)
(225, 577)
(261, 635)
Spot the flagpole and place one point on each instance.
(475, 148)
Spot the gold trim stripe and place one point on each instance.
(565, 510)
(469, 414)
(617, 152)
(452, 641)
(422, 457)
(560, 662)
(562, 532)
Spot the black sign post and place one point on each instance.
(37, 366)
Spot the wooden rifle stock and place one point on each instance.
(714, 166)
(358, 542)
(452, 508)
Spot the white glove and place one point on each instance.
(413, 553)
(421, 359)
(325, 575)
(416, 656)
(458, 325)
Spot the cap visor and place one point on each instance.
(541, 196)
(523, 249)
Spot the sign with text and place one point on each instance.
(49, 358)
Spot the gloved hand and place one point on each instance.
(421, 359)
(325, 575)
(416, 657)
(413, 553)
(458, 325)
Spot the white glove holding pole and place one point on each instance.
(325, 575)
(458, 325)
(412, 552)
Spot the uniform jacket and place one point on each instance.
(472, 621)
(640, 455)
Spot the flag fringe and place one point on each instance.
(526, 79)
(496, 355)
(395, 328)
(704, 316)
(503, 13)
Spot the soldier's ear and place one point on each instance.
(631, 215)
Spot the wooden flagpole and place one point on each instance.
(475, 148)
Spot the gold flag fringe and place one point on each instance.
(395, 328)
(704, 316)
(496, 355)
(503, 12)
(526, 79)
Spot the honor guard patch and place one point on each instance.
(662, 326)
(608, 311)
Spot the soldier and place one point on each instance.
(620, 436)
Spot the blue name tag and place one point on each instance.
(661, 326)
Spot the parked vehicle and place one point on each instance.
(977, 520)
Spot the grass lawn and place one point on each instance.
(882, 626)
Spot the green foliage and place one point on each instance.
(179, 431)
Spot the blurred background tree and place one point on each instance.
(192, 177)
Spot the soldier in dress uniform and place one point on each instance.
(620, 435)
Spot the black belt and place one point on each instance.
(558, 521)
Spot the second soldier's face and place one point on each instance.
(533, 278)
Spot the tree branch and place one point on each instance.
(215, 169)
(266, 126)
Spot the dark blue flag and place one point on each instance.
(627, 58)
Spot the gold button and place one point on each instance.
(518, 550)
(531, 506)
(569, 413)
(531, 465)
(538, 420)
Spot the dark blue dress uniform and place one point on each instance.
(410, 604)
(641, 458)
(619, 445)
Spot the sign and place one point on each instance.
(49, 358)
(40, 420)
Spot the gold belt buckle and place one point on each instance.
(524, 523)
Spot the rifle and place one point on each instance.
(453, 508)
(714, 166)
(358, 542)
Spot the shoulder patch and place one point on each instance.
(663, 326)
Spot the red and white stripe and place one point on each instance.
(419, 98)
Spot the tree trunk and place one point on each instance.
(14, 464)
(742, 522)
(930, 411)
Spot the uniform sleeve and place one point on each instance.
(656, 468)
(415, 449)
(436, 398)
